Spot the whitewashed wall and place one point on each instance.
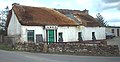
(99, 33)
(109, 29)
(69, 33)
(37, 30)
(14, 27)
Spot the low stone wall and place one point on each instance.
(70, 48)
(29, 46)
(83, 49)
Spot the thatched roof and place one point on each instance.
(82, 17)
(37, 16)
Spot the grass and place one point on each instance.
(5, 47)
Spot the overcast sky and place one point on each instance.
(109, 9)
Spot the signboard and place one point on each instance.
(51, 27)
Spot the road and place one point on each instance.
(13, 56)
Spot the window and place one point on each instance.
(30, 35)
(80, 36)
(93, 36)
(112, 30)
(60, 36)
(39, 38)
(118, 32)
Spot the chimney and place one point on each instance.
(83, 12)
(86, 11)
(15, 4)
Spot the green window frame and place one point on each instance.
(30, 35)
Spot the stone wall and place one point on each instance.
(29, 46)
(83, 49)
(70, 48)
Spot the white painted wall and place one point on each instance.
(99, 33)
(37, 30)
(109, 29)
(14, 27)
(69, 33)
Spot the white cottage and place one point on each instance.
(38, 24)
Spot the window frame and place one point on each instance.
(60, 36)
(80, 36)
(118, 32)
(112, 30)
(93, 36)
(30, 37)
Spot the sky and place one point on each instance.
(109, 9)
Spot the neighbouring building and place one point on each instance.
(38, 24)
(113, 29)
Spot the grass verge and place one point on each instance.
(5, 47)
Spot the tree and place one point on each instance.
(101, 19)
(3, 19)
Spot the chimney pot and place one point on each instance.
(15, 4)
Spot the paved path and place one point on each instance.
(12, 56)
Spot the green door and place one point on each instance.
(50, 36)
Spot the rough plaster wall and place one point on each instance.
(14, 27)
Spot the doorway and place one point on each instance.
(51, 36)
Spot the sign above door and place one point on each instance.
(51, 27)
